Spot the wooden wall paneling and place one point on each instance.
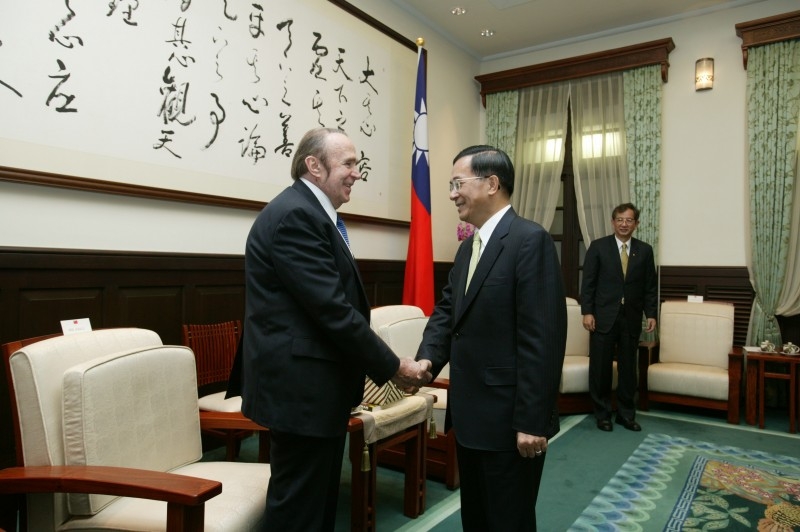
(156, 308)
(40, 311)
(214, 303)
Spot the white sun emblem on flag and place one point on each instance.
(421, 133)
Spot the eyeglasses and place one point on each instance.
(455, 184)
(629, 221)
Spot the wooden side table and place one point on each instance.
(757, 373)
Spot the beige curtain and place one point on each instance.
(539, 159)
(598, 151)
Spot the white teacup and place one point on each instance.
(791, 348)
(767, 346)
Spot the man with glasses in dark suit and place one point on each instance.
(619, 285)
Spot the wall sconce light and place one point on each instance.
(704, 74)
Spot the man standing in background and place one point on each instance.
(619, 285)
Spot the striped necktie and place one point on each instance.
(343, 230)
(473, 260)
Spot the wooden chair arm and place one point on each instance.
(441, 383)
(120, 481)
(227, 420)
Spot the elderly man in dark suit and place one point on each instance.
(502, 328)
(307, 340)
(619, 285)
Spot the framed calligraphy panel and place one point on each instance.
(202, 101)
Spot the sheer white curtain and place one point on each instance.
(598, 151)
(539, 158)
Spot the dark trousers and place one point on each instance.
(304, 482)
(623, 342)
(498, 490)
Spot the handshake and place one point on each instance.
(412, 374)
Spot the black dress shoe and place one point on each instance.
(605, 424)
(629, 424)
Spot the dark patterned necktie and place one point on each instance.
(343, 230)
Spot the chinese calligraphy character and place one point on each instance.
(363, 166)
(216, 120)
(131, 6)
(285, 147)
(320, 51)
(368, 73)
(251, 147)
(173, 106)
(64, 108)
(288, 25)
(167, 138)
(4, 84)
(255, 22)
(339, 62)
(179, 42)
(63, 22)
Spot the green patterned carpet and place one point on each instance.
(680, 467)
(673, 483)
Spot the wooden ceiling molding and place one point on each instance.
(768, 30)
(626, 58)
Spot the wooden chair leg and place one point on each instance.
(362, 487)
(415, 472)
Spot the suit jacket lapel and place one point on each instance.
(309, 196)
(486, 262)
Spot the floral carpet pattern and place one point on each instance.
(676, 484)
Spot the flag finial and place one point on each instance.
(420, 41)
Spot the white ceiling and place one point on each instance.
(528, 25)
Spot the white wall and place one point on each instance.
(703, 221)
(703, 183)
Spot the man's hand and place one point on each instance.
(588, 322)
(651, 325)
(412, 374)
(530, 446)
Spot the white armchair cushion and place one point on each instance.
(380, 316)
(577, 336)
(575, 371)
(116, 408)
(696, 333)
(37, 372)
(216, 402)
(240, 507)
(404, 335)
(693, 380)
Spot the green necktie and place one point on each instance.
(473, 261)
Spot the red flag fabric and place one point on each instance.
(418, 283)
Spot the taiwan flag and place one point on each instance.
(418, 284)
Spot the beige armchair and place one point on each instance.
(691, 363)
(573, 390)
(404, 336)
(108, 434)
